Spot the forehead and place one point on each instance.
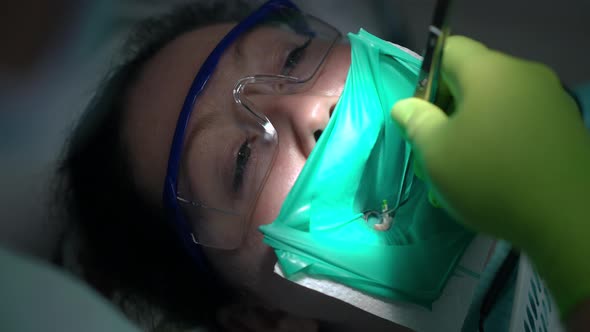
(154, 103)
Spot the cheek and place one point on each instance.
(250, 266)
(286, 168)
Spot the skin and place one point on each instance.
(153, 107)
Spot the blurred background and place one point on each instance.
(40, 101)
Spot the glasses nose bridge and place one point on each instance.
(240, 86)
(305, 110)
(243, 102)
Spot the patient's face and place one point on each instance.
(153, 109)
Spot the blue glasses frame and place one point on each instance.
(170, 192)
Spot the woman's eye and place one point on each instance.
(241, 165)
(294, 57)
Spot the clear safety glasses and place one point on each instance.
(277, 50)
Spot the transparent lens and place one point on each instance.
(296, 49)
(278, 56)
(224, 225)
(218, 221)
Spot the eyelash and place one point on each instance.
(242, 158)
(294, 56)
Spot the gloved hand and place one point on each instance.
(512, 159)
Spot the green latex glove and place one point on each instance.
(513, 159)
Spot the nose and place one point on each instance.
(301, 119)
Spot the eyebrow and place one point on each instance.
(239, 49)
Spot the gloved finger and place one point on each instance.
(417, 120)
(458, 55)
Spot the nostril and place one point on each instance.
(317, 134)
(332, 110)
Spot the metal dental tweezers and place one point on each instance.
(429, 75)
(426, 89)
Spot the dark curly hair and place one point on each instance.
(127, 251)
